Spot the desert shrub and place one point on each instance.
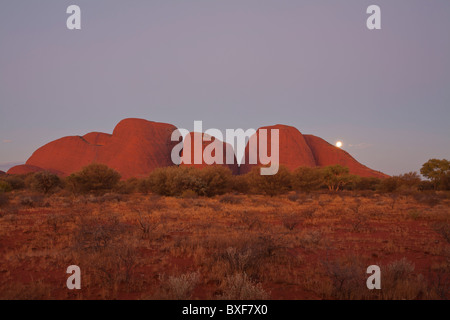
(389, 184)
(4, 199)
(249, 257)
(271, 185)
(238, 260)
(111, 197)
(249, 220)
(310, 239)
(366, 183)
(189, 194)
(307, 179)
(217, 179)
(110, 269)
(443, 228)
(5, 186)
(425, 185)
(240, 184)
(95, 177)
(33, 201)
(240, 287)
(428, 198)
(97, 235)
(409, 181)
(44, 182)
(145, 223)
(16, 182)
(347, 278)
(445, 182)
(399, 281)
(173, 181)
(127, 187)
(414, 214)
(55, 221)
(181, 287)
(143, 186)
(231, 199)
(291, 221)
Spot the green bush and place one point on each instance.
(96, 178)
(410, 181)
(271, 185)
(217, 180)
(16, 182)
(389, 184)
(240, 184)
(173, 181)
(366, 183)
(189, 194)
(5, 186)
(129, 186)
(44, 182)
(307, 179)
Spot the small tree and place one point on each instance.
(94, 178)
(44, 181)
(336, 177)
(307, 179)
(436, 170)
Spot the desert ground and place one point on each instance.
(295, 246)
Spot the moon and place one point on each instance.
(339, 144)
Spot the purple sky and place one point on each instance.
(233, 64)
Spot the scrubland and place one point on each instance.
(314, 245)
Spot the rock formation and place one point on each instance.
(297, 150)
(137, 146)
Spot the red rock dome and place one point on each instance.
(135, 148)
(294, 152)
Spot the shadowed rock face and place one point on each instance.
(210, 154)
(136, 147)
